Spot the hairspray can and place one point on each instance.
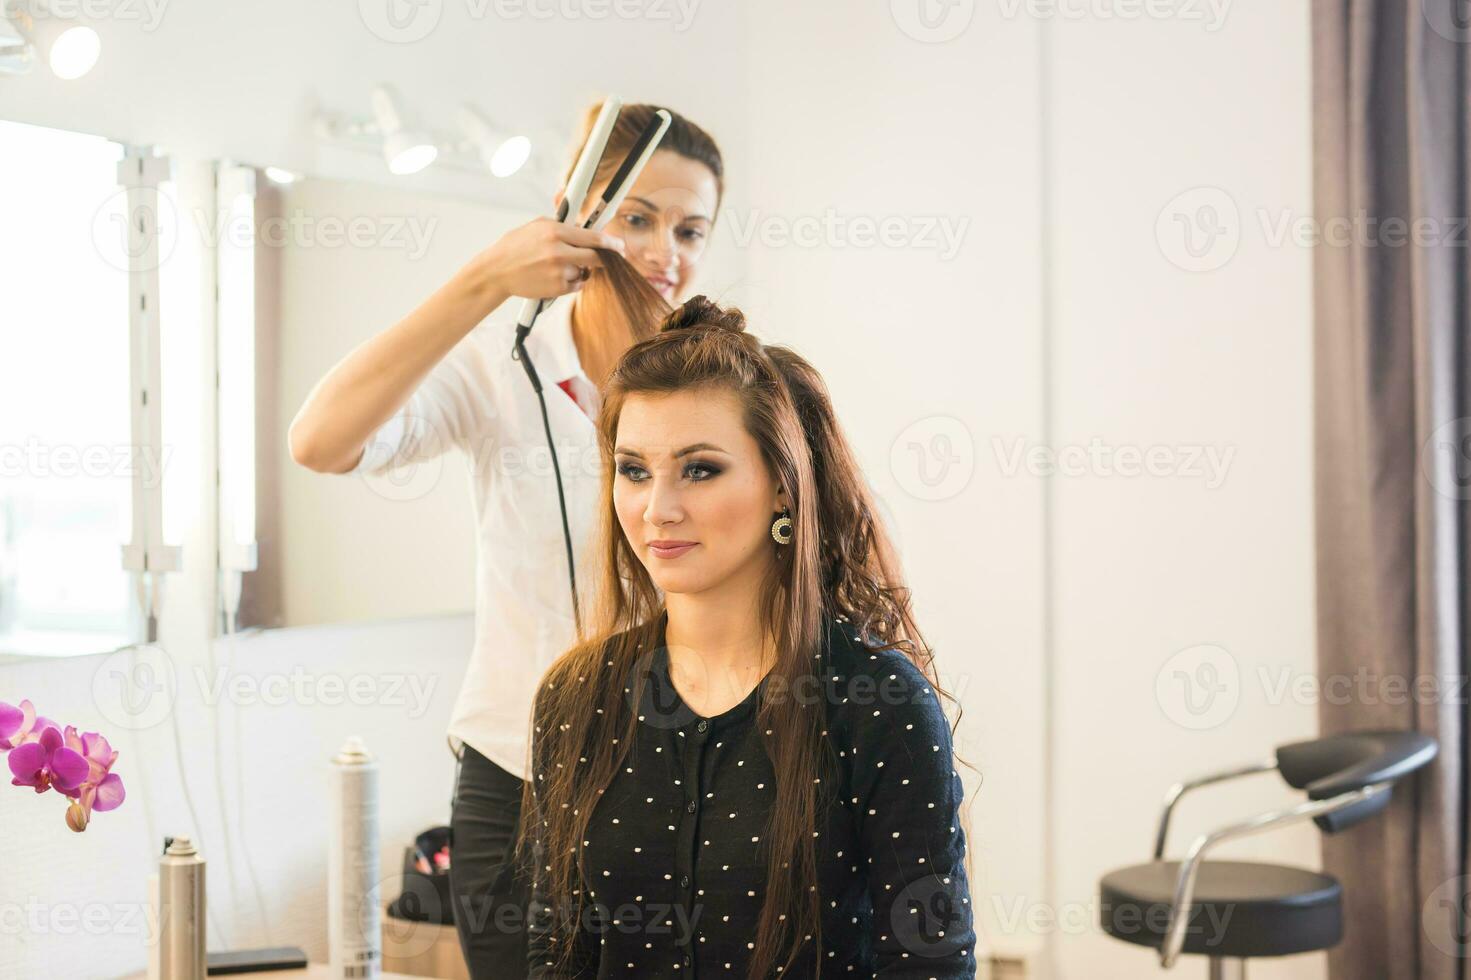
(354, 938)
(181, 912)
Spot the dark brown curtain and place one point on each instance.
(1393, 458)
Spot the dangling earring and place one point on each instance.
(781, 528)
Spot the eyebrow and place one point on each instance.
(623, 451)
(650, 205)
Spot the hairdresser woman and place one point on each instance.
(441, 379)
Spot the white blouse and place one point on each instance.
(479, 400)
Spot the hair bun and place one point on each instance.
(699, 311)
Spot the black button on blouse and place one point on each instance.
(672, 859)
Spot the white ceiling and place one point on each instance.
(238, 80)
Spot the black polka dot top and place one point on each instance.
(673, 863)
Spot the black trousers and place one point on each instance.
(489, 892)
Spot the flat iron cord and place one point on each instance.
(519, 353)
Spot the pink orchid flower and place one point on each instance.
(44, 760)
(43, 756)
(17, 724)
(100, 789)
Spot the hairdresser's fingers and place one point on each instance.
(587, 238)
(586, 257)
(532, 260)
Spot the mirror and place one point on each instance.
(335, 262)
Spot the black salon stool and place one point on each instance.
(1239, 910)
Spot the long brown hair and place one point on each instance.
(624, 312)
(839, 564)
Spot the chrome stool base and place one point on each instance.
(1227, 968)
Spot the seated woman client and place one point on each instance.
(745, 768)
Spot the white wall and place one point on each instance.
(1147, 353)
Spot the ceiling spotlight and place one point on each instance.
(503, 153)
(279, 175)
(406, 151)
(75, 52)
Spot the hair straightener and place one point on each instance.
(602, 213)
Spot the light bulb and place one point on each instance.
(510, 156)
(75, 52)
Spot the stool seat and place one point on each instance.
(1240, 908)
